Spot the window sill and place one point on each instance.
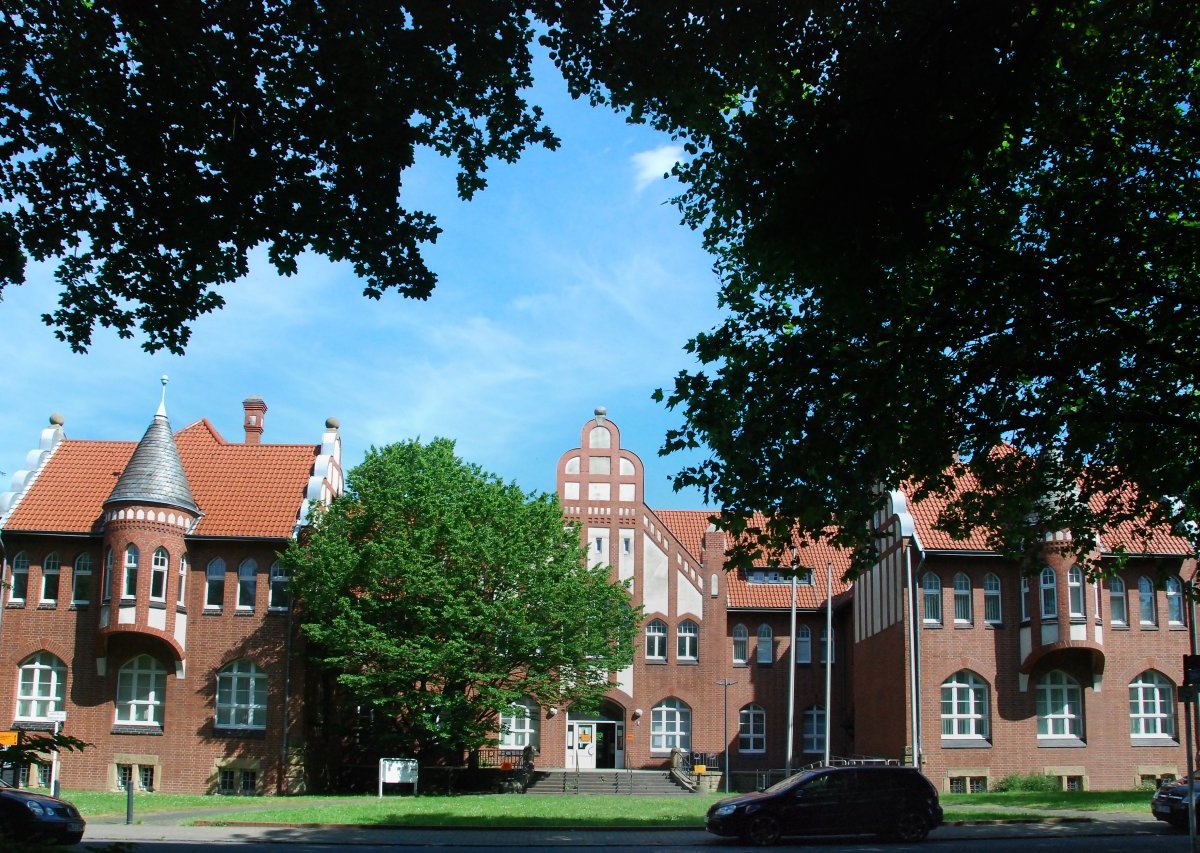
(741, 665)
(656, 661)
(127, 601)
(931, 625)
(240, 734)
(244, 611)
(996, 626)
(158, 605)
(136, 729)
(1164, 741)
(213, 611)
(47, 605)
(964, 625)
(179, 608)
(1146, 627)
(966, 743)
(688, 662)
(15, 605)
(1060, 743)
(277, 611)
(34, 725)
(80, 605)
(1117, 626)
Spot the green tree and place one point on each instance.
(441, 596)
(942, 227)
(148, 147)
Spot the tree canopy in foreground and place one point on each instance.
(442, 596)
(942, 227)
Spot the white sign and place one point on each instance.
(397, 771)
(57, 716)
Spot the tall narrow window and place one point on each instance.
(1174, 601)
(51, 566)
(129, 590)
(1117, 605)
(1024, 599)
(159, 565)
(280, 600)
(931, 597)
(670, 726)
(656, 640)
(214, 584)
(1075, 592)
(41, 686)
(1059, 706)
(20, 578)
(106, 577)
(181, 595)
(964, 706)
(247, 584)
(766, 644)
(1151, 706)
(991, 598)
(962, 599)
(242, 696)
(1049, 584)
(1146, 609)
(752, 729)
(827, 647)
(141, 689)
(741, 644)
(687, 637)
(81, 580)
(813, 730)
(803, 644)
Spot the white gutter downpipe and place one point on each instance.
(914, 655)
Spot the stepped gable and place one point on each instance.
(154, 473)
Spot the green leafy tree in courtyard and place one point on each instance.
(441, 596)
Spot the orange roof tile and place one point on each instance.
(688, 526)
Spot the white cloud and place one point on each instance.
(650, 166)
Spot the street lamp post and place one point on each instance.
(725, 682)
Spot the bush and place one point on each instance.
(1029, 782)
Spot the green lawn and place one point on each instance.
(1084, 801)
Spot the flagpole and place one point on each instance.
(828, 654)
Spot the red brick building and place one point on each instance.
(145, 601)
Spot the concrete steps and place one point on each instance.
(634, 782)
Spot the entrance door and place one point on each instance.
(619, 747)
(585, 746)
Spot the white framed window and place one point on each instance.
(41, 686)
(519, 725)
(965, 710)
(1147, 614)
(1059, 706)
(1118, 605)
(129, 588)
(51, 567)
(19, 586)
(1075, 593)
(656, 640)
(81, 580)
(247, 590)
(214, 584)
(242, 696)
(181, 595)
(803, 644)
(1152, 706)
(670, 726)
(752, 729)
(963, 614)
(826, 646)
(813, 730)
(1049, 597)
(766, 644)
(1024, 599)
(1174, 601)
(687, 640)
(279, 597)
(159, 564)
(141, 690)
(106, 577)
(741, 644)
(931, 598)
(991, 598)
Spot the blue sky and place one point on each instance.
(567, 284)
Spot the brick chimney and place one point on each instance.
(256, 413)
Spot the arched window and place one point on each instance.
(670, 726)
(141, 690)
(656, 640)
(41, 686)
(803, 644)
(1024, 599)
(106, 577)
(741, 644)
(1059, 706)
(181, 595)
(813, 730)
(51, 566)
(247, 584)
(81, 580)
(752, 729)
(1118, 605)
(931, 597)
(766, 644)
(1146, 609)
(962, 599)
(687, 636)
(1075, 592)
(158, 574)
(1049, 584)
(965, 710)
(19, 586)
(991, 598)
(214, 584)
(1152, 706)
(826, 644)
(519, 725)
(242, 696)
(280, 599)
(1174, 601)
(129, 590)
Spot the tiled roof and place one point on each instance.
(244, 490)
(688, 526)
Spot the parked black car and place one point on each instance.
(1170, 803)
(896, 802)
(26, 815)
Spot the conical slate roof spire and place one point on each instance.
(155, 472)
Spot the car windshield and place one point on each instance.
(790, 781)
(4, 784)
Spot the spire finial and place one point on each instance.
(162, 406)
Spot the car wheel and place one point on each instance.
(911, 827)
(762, 830)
